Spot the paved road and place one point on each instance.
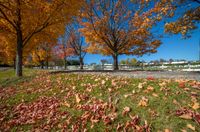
(146, 74)
(4, 68)
(161, 74)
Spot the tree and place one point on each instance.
(76, 42)
(128, 61)
(73, 62)
(26, 19)
(104, 61)
(42, 54)
(162, 60)
(7, 50)
(123, 62)
(62, 51)
(188, 19)
(114, 27)
(133, 61)
(171, 60)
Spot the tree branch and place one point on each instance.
(198, 1)
(7, 19)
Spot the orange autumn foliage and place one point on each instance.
(25, 20)
(118, 27)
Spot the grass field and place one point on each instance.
(41, 101)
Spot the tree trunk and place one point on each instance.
(65, 63)
(42, 64)
(14, 65)
(19, 54)
(81, 63)
(115, 64)
(47, 63)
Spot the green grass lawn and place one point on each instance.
(41, 101)
(7, 77)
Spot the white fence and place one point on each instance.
(128, 67)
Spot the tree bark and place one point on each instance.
(42, 64)
(65, 63)
(19, 54)
(47, 64)
(14, 65)
(81, 63)
(115, 64)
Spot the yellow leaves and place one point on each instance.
(78, 99)
(127, 95)
(119, 126)
(103, 82)
(149, 89)
(144, 1)
(66, 104)
(143, 102)
(162, 84)
(186, 116)
(156, 43)
(167, 130)
(101, 37)
(154, 94)
(113, 116)
(51, 16)
(183, 130)
(126, 110)
(113, 83)
(185, 23)
(196, 106)
(191, 127)
(195, 103)
(140, 85)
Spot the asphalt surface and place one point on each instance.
(144, 74)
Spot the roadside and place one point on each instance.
(144, 74)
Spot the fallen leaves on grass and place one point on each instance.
(126, 110)
(149, 89)
(43, 108)
(7, 92)
(103, 82)
(76, 104)
(167, 130)
(188, 114)
(196, 106)
(191, 127)
(150, 78)
(143, 102)
(140, 85)
(181, 84)
(154, 94)
(78, 100)
(134, 123)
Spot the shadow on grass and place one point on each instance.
(14, 80)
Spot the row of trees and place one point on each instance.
(70, 44)
(128, 61)
(25, 23)
(110, 27)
